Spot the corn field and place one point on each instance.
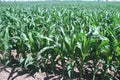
(43, 36)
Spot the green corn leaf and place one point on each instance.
(6, 39)
(42, 51)
(45, 49)
(47, 38)
(62, 30)
(118, 50)
(103, 44)
(22, 60)
(30, 37)
(68, 41)
(85, 41)
(28, 59)
(7, 62)
(24, 36)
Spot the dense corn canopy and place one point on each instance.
(77, 32)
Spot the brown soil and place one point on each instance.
(8, 73)
(11, 73)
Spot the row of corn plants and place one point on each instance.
(71, 35)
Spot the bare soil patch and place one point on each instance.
(8, 73)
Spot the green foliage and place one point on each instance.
(77, 32)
